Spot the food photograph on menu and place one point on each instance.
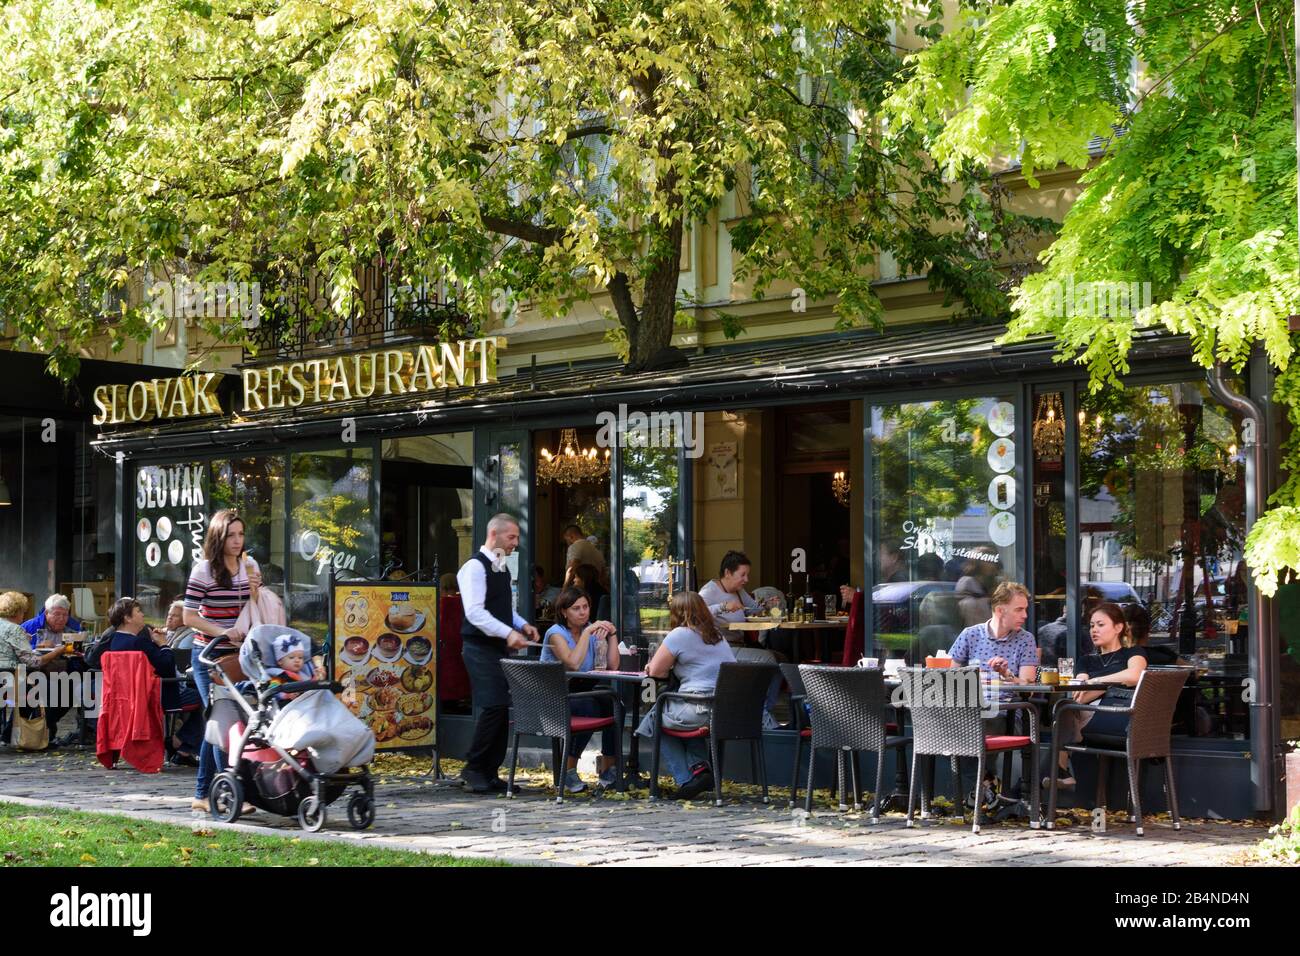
(384, 640)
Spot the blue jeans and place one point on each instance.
(678, 756)
(209, 756)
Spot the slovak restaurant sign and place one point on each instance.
(378, 373)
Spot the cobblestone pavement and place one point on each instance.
(418, 814)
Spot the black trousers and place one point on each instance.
(487, 681)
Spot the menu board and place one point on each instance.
(385, 641)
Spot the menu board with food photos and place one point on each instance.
(385, 640)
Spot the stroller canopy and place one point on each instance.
(260, 650)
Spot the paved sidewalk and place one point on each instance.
(415, 814)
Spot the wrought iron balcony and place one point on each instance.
(294, 317)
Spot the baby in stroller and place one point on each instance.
(292, 747)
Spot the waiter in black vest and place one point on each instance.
(491, 629)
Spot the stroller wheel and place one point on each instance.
(311, 814)
(225, 797)
(361, 811)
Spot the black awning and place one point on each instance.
(731, 375)
(26, 388)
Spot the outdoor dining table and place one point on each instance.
(1016, 807)
(794, 628)
(632, 766)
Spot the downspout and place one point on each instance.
(1265, 732)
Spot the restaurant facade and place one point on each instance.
(923, 464)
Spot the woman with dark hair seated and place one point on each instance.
(576, 644)
(1114, 660)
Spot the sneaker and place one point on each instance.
(573, 783)
(700, 782)
(608, 779)
(1062, 783)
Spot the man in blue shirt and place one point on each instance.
(55, 618)
(1001, 644)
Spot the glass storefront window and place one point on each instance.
(331, 530)
(255, 487)
(173, 504)
(1161, 531)
(944, 487)
(650, 506)
(1048, 435)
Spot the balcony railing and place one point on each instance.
(295, 318)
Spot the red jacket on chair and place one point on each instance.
(855, 633)
(130, 713)
(453, 679)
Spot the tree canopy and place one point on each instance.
(548, 150)
(1194, 190)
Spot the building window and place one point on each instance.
(173, 505)
(1162, 525)
(944, 519)
(331, 530)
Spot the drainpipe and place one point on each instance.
(1265, 731)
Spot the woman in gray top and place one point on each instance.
(693, 651)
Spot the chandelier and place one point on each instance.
(1049, 428)
(572, 464)
(840, 487)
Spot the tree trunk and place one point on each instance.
(649, 326)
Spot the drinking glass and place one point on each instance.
(830, 606)
(1065, 667)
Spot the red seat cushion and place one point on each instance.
(1006, 743)
(697, 732)
(581, 724)
(891, 728)
(806, 732)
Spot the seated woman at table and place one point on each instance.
(1114, 660)
(15, 646)
(574, 641)
(693, 650)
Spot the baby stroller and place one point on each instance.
(290, 758)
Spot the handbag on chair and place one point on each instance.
(31, 732)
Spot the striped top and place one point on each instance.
(219, 605)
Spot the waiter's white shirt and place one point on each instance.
(472, 579)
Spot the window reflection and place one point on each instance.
(649, 540)
(331, 531)
(1161, 531)
(945, 530)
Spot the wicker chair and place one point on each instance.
(849, 706)
(947, 721)
(1149, 730)
(738, 700)
(539, 702)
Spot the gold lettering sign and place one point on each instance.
(380, 373)
(184, 397)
